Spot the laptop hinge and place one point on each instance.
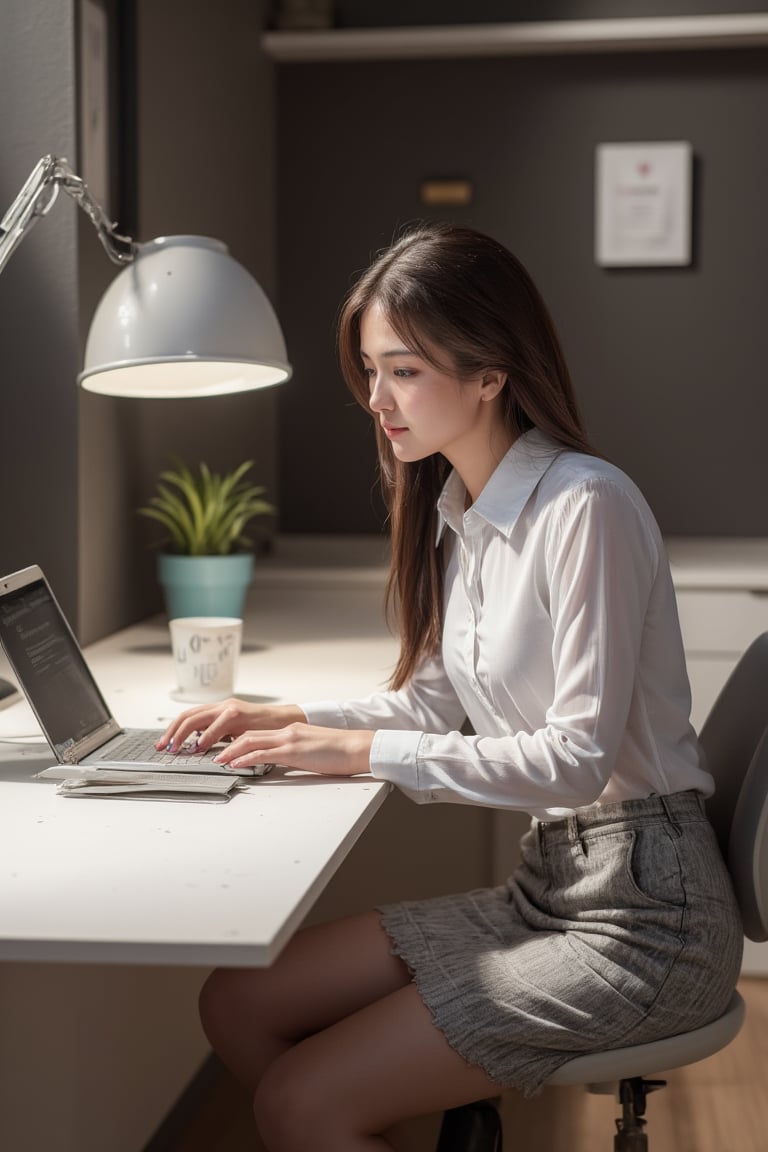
(74, 753)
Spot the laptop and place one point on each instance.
(51, 670)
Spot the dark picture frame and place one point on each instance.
(107, 106)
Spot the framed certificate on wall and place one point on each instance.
(643, 204)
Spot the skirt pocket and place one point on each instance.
(653, 866)
(618, 873)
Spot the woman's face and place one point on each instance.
(421, 409)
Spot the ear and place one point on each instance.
(492, 384)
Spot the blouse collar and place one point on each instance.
(506, 493)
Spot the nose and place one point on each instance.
(379, 399)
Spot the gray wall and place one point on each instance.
(669, 363)
(39, 307)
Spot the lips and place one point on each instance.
(392, 430)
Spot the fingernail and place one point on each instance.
(169, 746)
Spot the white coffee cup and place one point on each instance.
(206, 651)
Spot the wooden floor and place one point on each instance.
(718, 1105)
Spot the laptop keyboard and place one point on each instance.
(139, 747)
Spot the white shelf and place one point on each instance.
(551, 37)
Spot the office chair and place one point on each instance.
(735, 743)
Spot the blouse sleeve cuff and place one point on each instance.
(394, 757)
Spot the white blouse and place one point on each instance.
(561, 646)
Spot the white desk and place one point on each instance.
(149, 882)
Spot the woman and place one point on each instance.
(534, 599)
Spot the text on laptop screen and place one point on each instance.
(41, 647)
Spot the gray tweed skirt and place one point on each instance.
(618, 927)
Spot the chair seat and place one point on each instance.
(659, 1056)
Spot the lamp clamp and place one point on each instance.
(38, 196)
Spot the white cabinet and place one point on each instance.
(722, 596)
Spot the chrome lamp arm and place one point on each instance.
(38, 196)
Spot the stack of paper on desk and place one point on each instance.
(129, 785)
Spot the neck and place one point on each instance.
(477, 467)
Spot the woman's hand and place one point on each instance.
(225, 720)
(269, 733)
(329, 751)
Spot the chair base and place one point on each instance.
(471, 1128)
(630, 1129)
(477, 1127)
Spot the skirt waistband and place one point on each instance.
(677, 806)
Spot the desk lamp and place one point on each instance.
(181, 319)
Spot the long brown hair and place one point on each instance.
(450, 288)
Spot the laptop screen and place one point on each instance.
(49, 665)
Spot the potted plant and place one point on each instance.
(208, 563)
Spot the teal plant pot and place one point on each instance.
(205, 585)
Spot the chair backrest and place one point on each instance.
(735, 743)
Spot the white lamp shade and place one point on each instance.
(183, 319)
